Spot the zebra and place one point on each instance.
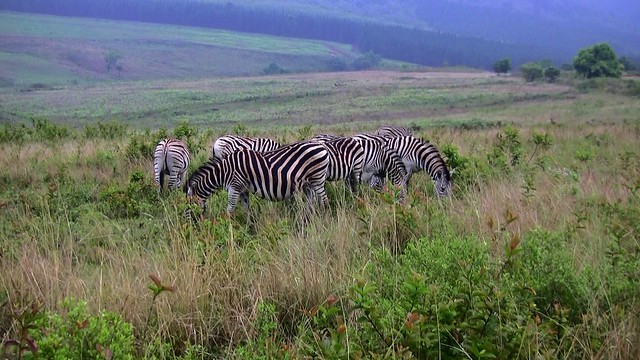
(346, 160)
(393, 131)
(379, 161)
(227, 144)
(418, 154)
(274, 175)
(171, 157)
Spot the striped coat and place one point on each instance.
(171, 157)
(227, 144)
(275, 175)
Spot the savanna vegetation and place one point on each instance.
(535, 255)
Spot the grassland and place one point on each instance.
(534, 256)
(75, 49)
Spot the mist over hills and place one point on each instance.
(427, 32)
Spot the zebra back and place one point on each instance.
(227, 144)
(418, 154)
(275, 175)
(326, 137)
(393, 131)
(171, 157)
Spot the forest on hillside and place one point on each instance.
(410, 44)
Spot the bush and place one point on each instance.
(273, 69)
(367, 61)
(75, 334)
(138, 197)
(560, 284)
(140, 146)
(597, 61)
(108, 131)
(531, 71)
(502, 66)
(444, 298)
(551, 73)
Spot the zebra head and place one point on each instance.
(442, 183)
(377, 182)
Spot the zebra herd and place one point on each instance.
(261, 166)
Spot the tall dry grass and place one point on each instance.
(222, 269)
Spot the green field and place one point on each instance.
(75, 49)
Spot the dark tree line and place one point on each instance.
(390, 41)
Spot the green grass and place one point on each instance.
(81, 222)
(76, 48)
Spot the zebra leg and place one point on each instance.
(232, 200)
(352, 182)
(161, 181)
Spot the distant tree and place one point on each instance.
(366, 61)
(531, 71)
(119, 68)
(597, 61)
(272, 69)
(111, 58)
(502, 66)
(566, 67)
(336, 64)
(551, 73)
(627, 64)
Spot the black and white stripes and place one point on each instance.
(171, 157)
(260, 166)
(419, 155)
(228, 144)
(393, 131)
(274, 175)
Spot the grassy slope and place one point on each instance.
(59, 50)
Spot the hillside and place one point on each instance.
(56, 50)
(388, 39)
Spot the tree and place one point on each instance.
(531, 71)
(111, 58)
(367, 61)
(627, 64)
(597, 61)
(502, 66)
(551, 73)
(273, 69)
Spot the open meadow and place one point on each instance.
(535, 255)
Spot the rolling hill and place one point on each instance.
(42, 49)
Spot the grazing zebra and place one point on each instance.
(228, 144)
(171, 157)
(346, 160)
(379, 161)
(275, 175)
(419, 155)
(393, 131)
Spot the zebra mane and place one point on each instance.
(213, 160)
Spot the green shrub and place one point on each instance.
(10, 133)
(48, 131)
(138, 197)
(506, 151)
(140, 146)
(76, 334)
(531, 71)
(551, 73)
(109, 131)
(549, 266)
